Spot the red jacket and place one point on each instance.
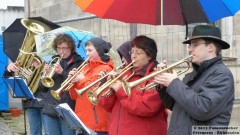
(140, 114)
(94, 117)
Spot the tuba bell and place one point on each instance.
(30, 65)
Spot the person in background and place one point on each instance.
(124, 52)
(33, 106)
(63, 44)
(205, 96)
(141, 113)
(93, 116)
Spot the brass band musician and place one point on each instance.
(63, 44)
(93, 116)
(142, 113)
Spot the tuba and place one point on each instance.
(93, 95)
(127, 86)
(30, 65)
(46, 78)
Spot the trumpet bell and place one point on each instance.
(47, 81)
(92, 97)
(55, 94)
(127, 87)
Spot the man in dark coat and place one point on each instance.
(205, 96)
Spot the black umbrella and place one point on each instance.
(14, 35)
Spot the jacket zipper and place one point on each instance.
(95, 115)
(119, 117)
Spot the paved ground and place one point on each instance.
(12, 125)
(15, 125)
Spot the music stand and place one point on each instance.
(18, 88)
(71, 119)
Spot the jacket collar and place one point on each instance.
(97, 62)
(205, 64)
(198, 70)
(144, 70)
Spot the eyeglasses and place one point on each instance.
(137, 53)
(62, 48)
(194, 45)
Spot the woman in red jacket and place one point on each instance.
(94, 117)
(142, 113)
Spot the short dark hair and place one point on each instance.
(146, 44)
(216, 44)
(61, 38)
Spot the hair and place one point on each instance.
(89, 43)
(61, 38)
(147, 44)
(216, 44)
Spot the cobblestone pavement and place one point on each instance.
(13, 125)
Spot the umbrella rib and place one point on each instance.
(202, 10)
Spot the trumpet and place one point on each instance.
(80, 91)
(46, 79)
(93, 95)
(66, 85)
(127, 86)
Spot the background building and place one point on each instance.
(169, 38)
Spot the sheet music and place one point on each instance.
(67, 107)
(18, 87)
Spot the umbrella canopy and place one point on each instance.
(80, 38)
(165, 12)
(14, 35)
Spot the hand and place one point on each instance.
(161, 65)
(101, 74)
(78, 77)
(165, 78)
(112, 75)
(12, 67)
(116, 85)
(72, 72)
(46, 69)
(58, 68)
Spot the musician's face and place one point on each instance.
(200, 51)
(91, 52)
(63, 50)
(139, 57)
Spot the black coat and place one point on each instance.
(50, 101)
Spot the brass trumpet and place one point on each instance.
(80, 91)
(93, 95)
(46, 79)
(66, 85)
(127, 86)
